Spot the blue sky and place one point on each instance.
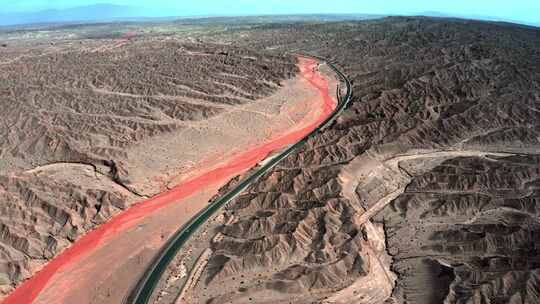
(519, 10)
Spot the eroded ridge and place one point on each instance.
(94, 106)
(467, 230)
(461, 99)
(177, 284)
(421, 86)
(78, 125)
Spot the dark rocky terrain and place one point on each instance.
(468, 231)
(89, 104)
(441, 143)
(425, 190)
(77, 115)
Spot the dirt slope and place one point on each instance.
(467, 230)
(464, 230)
(80, 121)
(440, 144)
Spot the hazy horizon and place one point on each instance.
(28, 11)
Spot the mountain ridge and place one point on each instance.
(89, 13)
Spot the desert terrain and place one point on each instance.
(424, 190)
(93, 130)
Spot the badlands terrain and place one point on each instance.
(91, 127)
(424, 190)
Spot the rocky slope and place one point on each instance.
(92, 104)
(80, 119)
(467, 231)
(443, 136)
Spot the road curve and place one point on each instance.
(142, 291)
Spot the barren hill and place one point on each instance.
(425, 190)
(90, 127)
(441, 145)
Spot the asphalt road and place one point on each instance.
(142, 291)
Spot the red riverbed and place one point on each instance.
(30, 289)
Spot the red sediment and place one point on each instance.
(30, 289)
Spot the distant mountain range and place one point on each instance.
(91, 13)
(110, 12)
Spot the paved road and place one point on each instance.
(142, 292)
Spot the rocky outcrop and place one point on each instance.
(464, 228)
(46, 209)
(466, 232)
(76, 121)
